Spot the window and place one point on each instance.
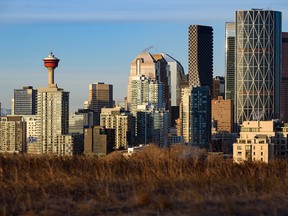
(239, 147)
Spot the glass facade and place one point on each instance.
(258, 65)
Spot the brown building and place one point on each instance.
(98, 140)
(100, 95)
(284, 83)
(222, 115)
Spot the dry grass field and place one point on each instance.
(175, 181)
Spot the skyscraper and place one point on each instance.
(196, 116)
(100, 95)
(258, 65)
(284, 83)
(177, 80)
(25, 101)
(144, 69)
(200, 61)
(230, 34)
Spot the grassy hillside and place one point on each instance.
(175, 181)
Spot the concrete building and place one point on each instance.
(255, 142)
(230, 33)
(123, 123)
(284, 83)
(222, 115)
(12, 134)
(258, 65)
(98, 140)
(25, 101)
(200, 59)
(32, 134)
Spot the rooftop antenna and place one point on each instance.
(147, 49)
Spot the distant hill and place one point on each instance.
(5, 111)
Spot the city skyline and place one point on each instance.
(96, 42)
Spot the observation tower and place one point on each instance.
(51, 62)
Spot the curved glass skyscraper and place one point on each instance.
(258, 65)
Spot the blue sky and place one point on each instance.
(96, 40)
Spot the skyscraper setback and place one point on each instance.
(200, 62)
(258, 65)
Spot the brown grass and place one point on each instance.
(176, 181)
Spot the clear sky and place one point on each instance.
(96, 40)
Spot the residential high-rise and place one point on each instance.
(196, 116)
(201, 117)
(144, 66)
(284, 83)
(177, 80)
(152, 126)
(100, 95)
(12, 134)
(200, 59)
(258, 65)
(52, 111)
(230, 33)
(123, 122)
(25, 101)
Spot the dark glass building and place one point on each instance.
(200, 59)
(25, 102)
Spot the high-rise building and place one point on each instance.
(123, 122)
(258, 65)
(218, 87)
(100, 95)
(144, 90)
(201, 117)
(76, 123)
(12, 134)
(177, 80)
(230, 33)
(31, 134)
(152, 125)
(222, 115)
(200, 59)
(52, 111)
(284, 83)
(164, 79)
(143, 68)
(98, 140)
(25, 101)
(196, 116)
